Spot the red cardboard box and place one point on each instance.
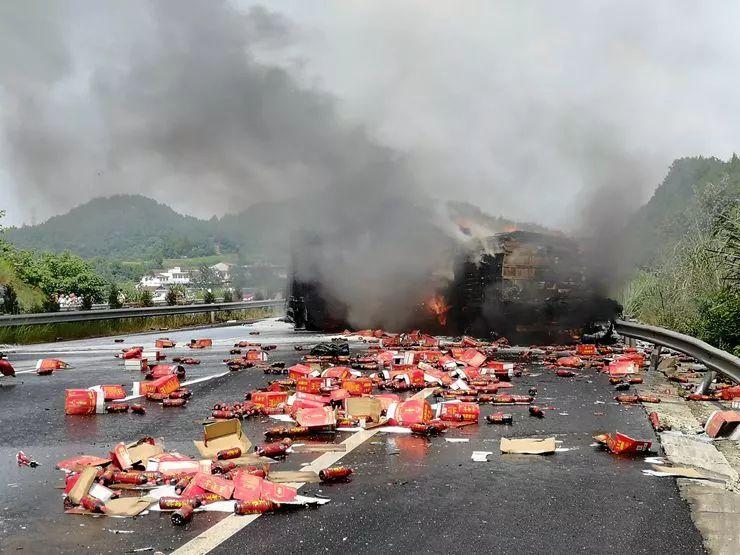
(622, 368)
(161, 370)
(201, 343)
(166, 384)
(113, 392)
(729, 393)
(246, 486)
(309, 385)
(316, 417)
(569, 362)
(298, 371)
(338, 394)
(254, 355)
(134, 352)
(411, 374)
(269, 399)
(472, 357)
(216, 484)
(722, 423)
(358, 386)
(468, 412)
(80, 401)
(621, 444)
(413, 411)
(311, 397)
(337, 372)
(278, 493)
(586, 350)
(164, 343)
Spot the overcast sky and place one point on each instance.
(533, 110)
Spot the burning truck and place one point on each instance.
(526, 286)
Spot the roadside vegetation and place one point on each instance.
(23, 335)
(692, 285)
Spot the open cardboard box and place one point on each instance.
(221, 435)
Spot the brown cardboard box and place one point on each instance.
(224, 434)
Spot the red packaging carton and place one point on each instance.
(309, 385)
(80, 401)
(216, 484)
(586, 350)
(299, 371)
(621, 444)
(468, 412)
(269, 399)
(113, 392)
(316, 417)
(337, 372)
(358, 386)
(413, 411)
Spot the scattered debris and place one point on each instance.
(23, 460)
(528, 446)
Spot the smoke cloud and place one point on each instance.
(564, 117)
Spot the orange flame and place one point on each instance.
(438, 306)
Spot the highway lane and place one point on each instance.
(409, 493)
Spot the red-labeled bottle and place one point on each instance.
(117, 407)
(138, 409)
(173, 402)
(500, 418)
(335, 474)
(129, 478)
(536, 412)
(182, 483)
(272, 450)
(174, 503)
(183, 515)
(254, 507)
(92, 504)
(232, 453)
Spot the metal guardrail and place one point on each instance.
(715, 359)
(118, 313)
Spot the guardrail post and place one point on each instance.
(213, 316)
(702, 388)
(655, 357)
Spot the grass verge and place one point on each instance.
(25, 335)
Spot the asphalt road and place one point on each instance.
(408, 493)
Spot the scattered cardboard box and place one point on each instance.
(224, 434)
(528, 446)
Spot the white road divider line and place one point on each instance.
(227, 527)
(189, 382)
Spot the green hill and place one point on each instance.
(123, 227)
(692, 185)
(136, 228)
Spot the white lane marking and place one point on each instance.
(189, 382)
(227, 527)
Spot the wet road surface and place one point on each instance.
(408, 493)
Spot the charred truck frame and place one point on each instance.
(522, 285)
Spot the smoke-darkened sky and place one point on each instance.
(528, 109)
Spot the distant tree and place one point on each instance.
(259, 295)
(10, 300)
(113, 297)
(171, 297)
(228, 296)
(51, 303)
(238, 277)
(206, 278)
(145, 298)
(209, 297)
(87, 302)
